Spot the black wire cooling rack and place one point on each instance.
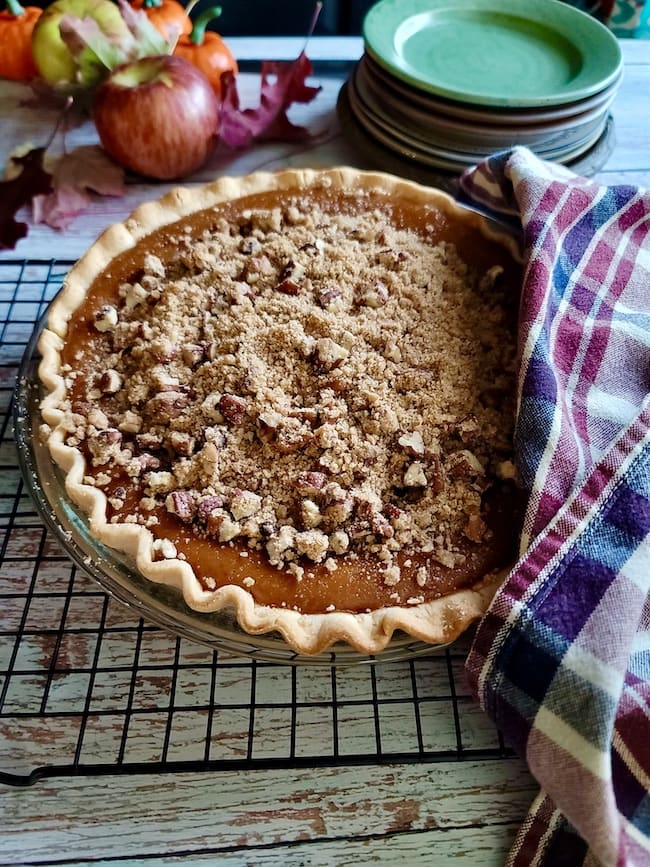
(89, 688)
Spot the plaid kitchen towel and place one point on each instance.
(561, 661)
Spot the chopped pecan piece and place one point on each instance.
(435, 473)
(464, 465)
(233, 408)
(97, 418)
(181, 504)
(208, 505)
(141, 463)
(310, 483)
(269, 420)
(381, 526)
(110, 382)
(338, 385)
(469, 429)
(288, 287)
(392, 511)
(329, 296)
(168, 405)
(211, 409)
(307, 413)
(162, 380)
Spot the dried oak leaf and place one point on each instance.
(20, 190)
(282, 84)
(76, 175)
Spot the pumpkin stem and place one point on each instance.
(198, 30)
(15, 8)
(152, 4)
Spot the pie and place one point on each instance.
(292, 396)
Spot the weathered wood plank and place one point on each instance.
(137, 816)
(469, 847)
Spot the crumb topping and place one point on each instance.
(311, 384)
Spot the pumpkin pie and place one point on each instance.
(292, 395)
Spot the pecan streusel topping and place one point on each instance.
(310, 384)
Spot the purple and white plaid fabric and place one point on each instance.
(561, 661)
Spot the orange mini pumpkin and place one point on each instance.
(16, 25)
(169, 17)
(207, 50)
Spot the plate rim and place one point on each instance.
(379, 44)
(469, 114)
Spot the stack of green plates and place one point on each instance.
(447, 82)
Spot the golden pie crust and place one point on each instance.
(339, 211)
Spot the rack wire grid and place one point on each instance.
(88, 688)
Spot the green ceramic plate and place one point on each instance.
(516, 53)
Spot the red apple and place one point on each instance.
(157, 116)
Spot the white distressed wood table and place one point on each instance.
(121, 743)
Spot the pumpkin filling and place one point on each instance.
(311, 397)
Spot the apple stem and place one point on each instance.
(152, 4)
(198, 30)
(15, 8)
(59, 121)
